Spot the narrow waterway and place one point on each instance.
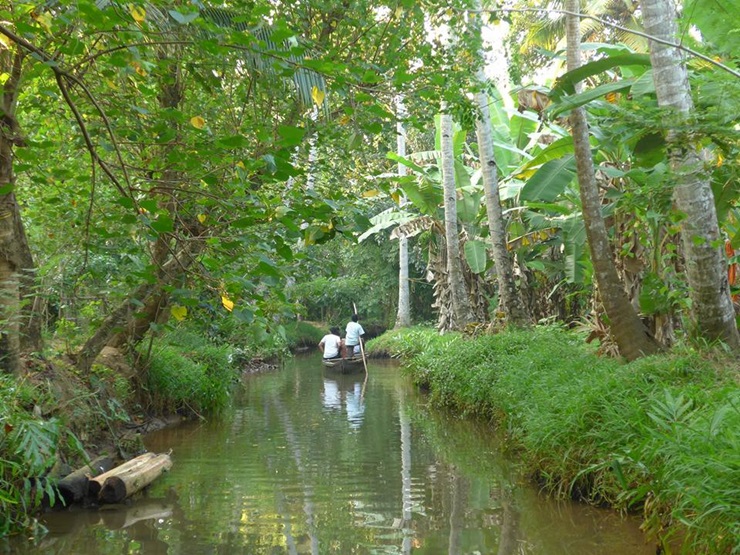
(307, 461)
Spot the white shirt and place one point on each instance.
(331, 345)
(354, 331)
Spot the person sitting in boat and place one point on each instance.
(352, 339)
(331, 343)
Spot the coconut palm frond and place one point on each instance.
(412, 228)
(261, 56)
(425, 156)
(635, 42)
(306, 81)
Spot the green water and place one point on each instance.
(310, 462)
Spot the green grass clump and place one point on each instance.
(187, 373)
(303, 335)
(661, 434)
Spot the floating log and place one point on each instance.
(74, 486)
(96, 484)
(120, 485)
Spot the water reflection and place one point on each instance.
(305, 463)
(344, 393)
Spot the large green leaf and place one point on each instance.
(576, 256)
(521, 126)
(469, 205)
(425, 196)
(405, 162)
(570, 102)
(475, 255)
(387, 218)
(549, 181)
(565, 84)
(557, 149)
(718, 21)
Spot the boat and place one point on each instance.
(344, 365)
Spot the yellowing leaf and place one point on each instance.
(201, 218)
(140, 70)
(198, 122)
(317, 95)
(178, 312)
(4, 76)
(371, 193)
(5, 41)
(137, 12)
(44, 20)
(396, 196)
(111, 84)
(720, 160)
(241, 165)
(228, 304)
(344, 120)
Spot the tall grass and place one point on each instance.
(660, 435)
(188, 373)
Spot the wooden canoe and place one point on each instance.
(344, 365)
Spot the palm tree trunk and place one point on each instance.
(510, 300)
(460, 303)
(625, 325)
(403, 317)
(706, 267)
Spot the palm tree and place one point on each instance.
(403, 318)
(461, 312)
(700, 236)
(626, 327)
(510, 302)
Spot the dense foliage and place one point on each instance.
(226, 170)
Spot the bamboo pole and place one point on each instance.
(362, 349)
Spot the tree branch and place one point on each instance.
(60, 75)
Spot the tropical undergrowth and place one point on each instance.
(186, 372)
(660, 435)
(49, 419)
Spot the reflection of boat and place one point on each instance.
(344, 365)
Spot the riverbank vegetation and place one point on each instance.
(659, 436)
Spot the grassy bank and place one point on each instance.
(660, 435)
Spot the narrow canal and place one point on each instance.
(307, 461)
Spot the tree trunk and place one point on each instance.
(119, 318)
(11, 244)
(625, 325)
(139, 320)
(706, 267)
(460, 303)
(510, 300)
(403, 317)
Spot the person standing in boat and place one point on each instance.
(352, 339)
(331, 343)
